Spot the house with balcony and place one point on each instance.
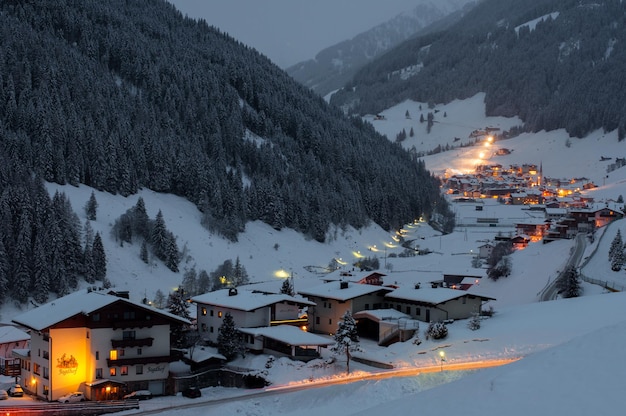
(11, 338)
(273, 323)
(97, 343)
(333, 299)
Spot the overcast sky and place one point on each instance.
(291, 31)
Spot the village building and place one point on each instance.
(98, 343)
(11, 338)
(435, 304)
(270, 323)
(333, 299)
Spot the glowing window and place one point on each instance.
(219, 314)
(113, 354)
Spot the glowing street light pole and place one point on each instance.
(442, 354)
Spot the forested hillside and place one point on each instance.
(122, 95)
(553, 63)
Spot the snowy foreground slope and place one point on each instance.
(570, 347)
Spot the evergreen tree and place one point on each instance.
(158, 237)
(618, 261)
(240, 275)
(346, 338)
(190, 282)
(159, 299)
(569, 283)
(204, 282)
(41, 273)
(222, 276)
(170, 252)
(91, 207)
(4, 272)
(229, 342)
(99, 258)
(287, 288)
(177, 304)
(143, 252)
(617, 245)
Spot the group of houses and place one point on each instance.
(104, 344)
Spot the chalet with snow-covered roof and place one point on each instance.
(533, 228)
(11, 338)
(249, 309)
(485, 250)
(385, 326)
(435, 304)
(333, 299)
(285, 340)
(97, 343)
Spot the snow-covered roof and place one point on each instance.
(382, 314)
(334, 290)
(79, 302)
(246, 300)
(9, 333)
(288, 334)
(428, 295)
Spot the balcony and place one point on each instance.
(134, 342)
(138, 360)
(132, 323)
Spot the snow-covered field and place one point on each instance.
(570, 347)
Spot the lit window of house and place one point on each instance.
(113, 354)
(112, 371)
(219, 314)
(203, 311)
(124, 370)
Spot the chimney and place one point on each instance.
(232, 291)
(417, 286)
(343, 285)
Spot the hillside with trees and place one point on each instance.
(125, 95)
(554, 63)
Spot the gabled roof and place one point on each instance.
(430, 296)
(246, 300)
(9, 333)
(289, 335)
(342, 291)
(80, 302)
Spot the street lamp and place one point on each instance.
(442, 354)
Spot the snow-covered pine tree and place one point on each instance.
(204, 282)
(569, 284)
(91, 207)
(178, 305)
(616, 245)
(229, 339)
(240, 275)
(618, 260)
(190, 282)
(346, 338)
(99, 258)
(287, 287)
(159, 299)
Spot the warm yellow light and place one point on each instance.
(490, 139)
(283, 274)
(357, 254)
(108, 389)
(481, 155)
(33, 381)
(442, 354)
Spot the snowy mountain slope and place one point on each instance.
(334, 66)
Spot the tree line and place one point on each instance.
(123, 95)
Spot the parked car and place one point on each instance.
(75, 397)
(192, 392)
(15, 391)
(4, 395)
(139, 395)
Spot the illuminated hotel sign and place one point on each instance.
(67, 365)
